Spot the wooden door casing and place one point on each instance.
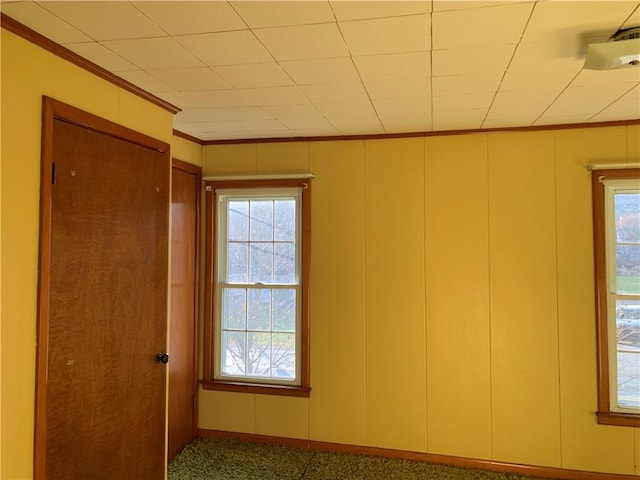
(186, 187)
(100, 395)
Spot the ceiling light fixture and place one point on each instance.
(621, 51)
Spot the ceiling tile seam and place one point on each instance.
(150, 19)
(504, 74)
(637, 9)
(368, 19)
(364, 86)
(636, 85)
(42, 5)
(481, 6)
(572, 80)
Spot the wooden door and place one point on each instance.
(101, 396)
(183, 343)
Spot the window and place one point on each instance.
(616, 207)
(257, 278)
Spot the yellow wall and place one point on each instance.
(186, 150)
(29, 72)
(452, 306)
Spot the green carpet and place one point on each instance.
(212, 459)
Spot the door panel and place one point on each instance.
(105, 395)
(184, 306)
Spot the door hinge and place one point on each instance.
(194, 403)
(53, 173)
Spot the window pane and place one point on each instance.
(261, 220)
(627, 206)
(234, 309)
(284, 355)
(628, 351)
(261, 263)
(285, 263)
(259, 354)
(259, 309)
(284, 310)
(628, 269)
(237, 262)
(285, 220)
(233, 347)
(239, 220)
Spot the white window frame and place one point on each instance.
(240, 194)
(613, 186)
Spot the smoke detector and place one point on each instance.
(621, 51)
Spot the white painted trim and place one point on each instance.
(612, 166)
(288, 176)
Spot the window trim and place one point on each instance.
(209, 381)
(604, 414)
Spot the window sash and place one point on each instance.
(222, 281)
(612, 187)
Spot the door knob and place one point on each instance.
(162, 358)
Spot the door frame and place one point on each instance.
(197, 172)
(51, 110)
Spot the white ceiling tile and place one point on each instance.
(187, 17)
(275, 96)
(105, 20)
(37, 18)
(254, 75)
(394, 65)
(570, 24)
(561, 119)
(281, 13)
(358, 10)
(526, 98)
(401, 106)
(633, 20)
(338, 93)
(306, 123)
(185, 79)
(145, 81)
(293, 112)
(606, 77)
(465, 84)
(466, 28)
(352, 125)
(209, 99)
(194, 115)
(465, 61)
(459, 123)
(411, 118)
(345, 109)
(625, 108)
(404, 88)
(326, 70)
(404, 126)
(154, 53)
(303, 42)
(461, 102)
(549, 57)
(444, 5)
(514, 116)
(586, 100)
(226, 48)
(101, 55)
(387, 35)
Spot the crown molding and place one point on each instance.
(36, 38)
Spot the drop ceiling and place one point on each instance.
(265, 69)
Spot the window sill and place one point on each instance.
(260, 388)
(618, 419)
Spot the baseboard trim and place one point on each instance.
(532, 470)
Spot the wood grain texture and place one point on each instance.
(185, 298)
(102, 303)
